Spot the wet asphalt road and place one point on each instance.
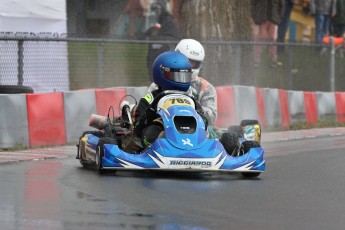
(303, 188)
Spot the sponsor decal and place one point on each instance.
(194, 53)
(191, 163)
(148, 97)
(187, 142)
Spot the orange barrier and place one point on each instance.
(311, 113)
(337, 40)
(340, 104)
(46, 119)
(225, 106)
(109, 97)
(284, 108)
(260, 100)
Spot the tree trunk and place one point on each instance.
(220, 25)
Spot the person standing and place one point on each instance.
(164, 30)
(322, 10)
(339, 19)
(266, 15)
(284, 24)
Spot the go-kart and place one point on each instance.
(182, 146)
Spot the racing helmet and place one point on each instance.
(194, 51)
(171, 70)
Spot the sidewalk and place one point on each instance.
(300, 134)
(38, 154)
(71, 150)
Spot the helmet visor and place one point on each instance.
(177, 75)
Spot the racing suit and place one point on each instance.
(206, 95)
(143, 118)
(148, 124)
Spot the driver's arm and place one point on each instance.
(141, 118)
(140, 115)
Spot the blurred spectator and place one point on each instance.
(339, 19)
(322, 10)
(305, 6)
(177, 5)
(266, 14)
(131, 21)
(284, 24)
(164, 30)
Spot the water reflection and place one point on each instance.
(42, 196)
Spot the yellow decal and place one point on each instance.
(148, 97)
(176, 101)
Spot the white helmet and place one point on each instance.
(194, 51)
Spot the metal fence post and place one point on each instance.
(100, 64)
(237, 77)
(332, 65)
(20, 62)
(290, 65)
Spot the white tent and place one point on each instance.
(45, 64)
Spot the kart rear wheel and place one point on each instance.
(247, 145)
(249, 122)
(248, 133)
(250, 174)
(235, 129)
(100, 153)
(229, 141)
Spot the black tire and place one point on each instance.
(229, 141)
(247, 145)
(15, 89)
(252, 122)
(249, 122)
(83, 162)
(250, 174)
(235, 129)
(100, 152)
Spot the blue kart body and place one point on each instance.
(183, 147)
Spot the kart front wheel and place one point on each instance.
(82, 161)
(250, 174)
(100, 152)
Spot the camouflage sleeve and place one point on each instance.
(208, 101)
(140, 113)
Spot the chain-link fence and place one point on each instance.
(63, 64)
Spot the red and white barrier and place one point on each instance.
(340, 103)
(78, 106)
(59, 118)
(326, 106)
(245, 103)
(225, 106)
(272, 107)
(13, 121)
(311, 112)
(46, 119)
